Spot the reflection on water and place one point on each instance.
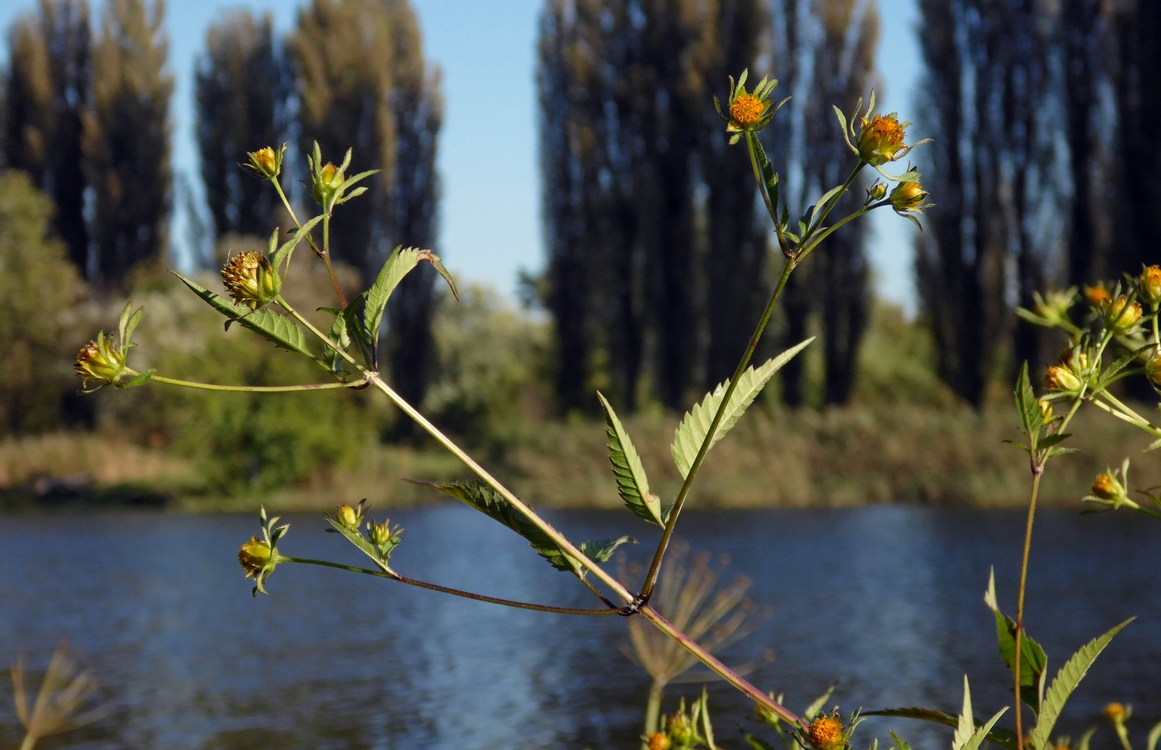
(887, 601)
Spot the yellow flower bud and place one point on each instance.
(878, 191)
(1153, 368)
(658, 741)
(1107, 487)
(881, 140)
(1061, 379)
(267, 162)
(1116, 713)
(826, 733)
(908, 196)
(1150, 285)
(1121, 315)
(254, 556)
(325, 182)
(1096, 295)
(349, 517)
(251, 280)
(101, 361)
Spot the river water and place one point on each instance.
(885, 601)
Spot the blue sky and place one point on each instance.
(490, 214)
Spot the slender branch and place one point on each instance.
(1016, 660)
(557, 538)
(683, 493)
(252, 388)
(392, 575)
(720, 669)
(820, 217)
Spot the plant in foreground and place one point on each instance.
(1121, 318)
(64, 701)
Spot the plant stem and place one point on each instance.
(1038, 470)
(683, 493)
(727, 674)
(653, 710)
(392, 575)
(252, 388)
(557, 538)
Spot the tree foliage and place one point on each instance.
(242, 89)
(1019, 95)
(631, 168)
(364, 84)
(48, 85)
(127, 139)
(39, 289)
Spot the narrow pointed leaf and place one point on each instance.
(1033, 660)
(401, 262)
(280, 258)
(695, 426)
(983, 733)
(277, 329)
(484, 499)
(967, 723)
(1002, 737)
(1066, 681)
(632, 484)
(600, 550)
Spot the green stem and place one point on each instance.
(557, 538)
(252, 388)
(326, 256)
(1019, 631)
(754, 147)
(1119, 410)
(683, 493)
(727, 674)
(392, 575)
(806, 247)
(653, 710)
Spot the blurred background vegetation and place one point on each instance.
(656, 253)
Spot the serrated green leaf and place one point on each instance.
(695, 426)
(483, 498)
(966, 726)
(277, 329)
(1002, 737)
(632, 484)
(400, 263)
(1033, 660)
(1066, 681)
(600, 550)
(983, 733)
(280, 258)
(447, 277)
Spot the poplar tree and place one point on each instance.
(626, 132)
(46, 90)
(127, 139)
(242, 88)
(363, 84)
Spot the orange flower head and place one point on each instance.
(826, 733)
(881, 140)
(746, 110)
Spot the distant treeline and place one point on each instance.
(658, 257)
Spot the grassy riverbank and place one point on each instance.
(838, 457)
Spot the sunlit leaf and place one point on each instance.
(483, 498)
(632, 484)
(695, 426)
(1066, 681)
(277, 329)
(1033, 660)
